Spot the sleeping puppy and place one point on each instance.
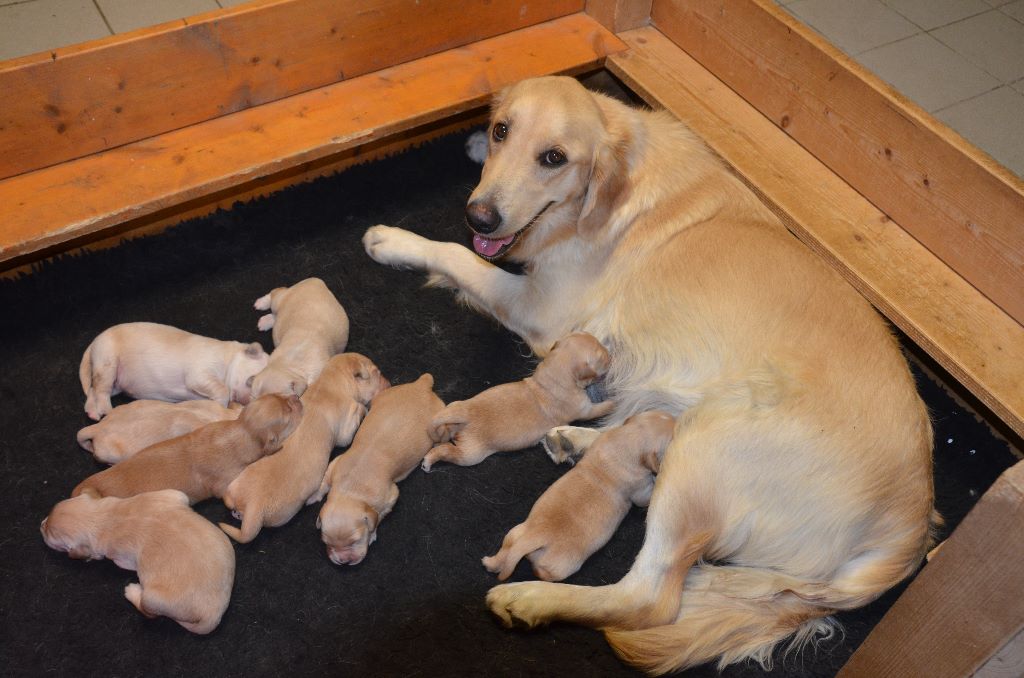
(202, 463)
(580, 512)
(186, 565)
(514, 416)
(159, 362)
(272, 490)
(390, 443)
(309, 327)
(139, 424)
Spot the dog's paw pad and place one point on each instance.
(559, 447)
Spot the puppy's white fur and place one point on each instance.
(159, 362)
(801, 461)
(309, 326)
(186, 565)
(137, 425)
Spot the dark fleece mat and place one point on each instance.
(415, 605)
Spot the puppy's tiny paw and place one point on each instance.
(558, 447)
(265, 322)
(237, 514)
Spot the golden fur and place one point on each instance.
(203, 462)
(801, 461)
(273, 489)
(514, 416)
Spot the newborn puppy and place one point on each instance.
(159, 362)
(139, 424)
(186, 565)
(272, 490)
(309, 327)
(202, 463)
(388, 446)
(514, 416)
(580, 512)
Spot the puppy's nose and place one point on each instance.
(482, 218)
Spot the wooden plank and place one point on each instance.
(620, 15)
(78, 100)
(965, 605)
(956, 200)
(69, 200)
(972, 338)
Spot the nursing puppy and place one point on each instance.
(272, 490)
(141, 423)
(362, 481)
(629, 228)
(186, 566)
(514, 416)
(309, 326)
(580, 512)
(202, 463)
(159, 362)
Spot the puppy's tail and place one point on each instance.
(448, 422)
(85, 437)
(514, 547)
(728, 613)
(252, 523)
(85, 370)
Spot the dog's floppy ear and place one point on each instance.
(254, 350)
(604, 187)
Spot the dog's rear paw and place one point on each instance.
(567, 443)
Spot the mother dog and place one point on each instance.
(799, 479)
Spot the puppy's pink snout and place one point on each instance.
(345, 556)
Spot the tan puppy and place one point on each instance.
(202, 463)
(580, 512)
(186, 565)
(309, 327)
(514, 416)
(389, 445)
(159, 362)
(139, 424)
(272, 490)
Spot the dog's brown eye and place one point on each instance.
(500, 131)
(552, 158)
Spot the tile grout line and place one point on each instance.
(96, 4)
(972, 98)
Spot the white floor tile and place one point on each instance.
(929, 14)
(127, 15)
(992, 122)
(46, 24)
(992, 41)
(854, 26)
(928, 72)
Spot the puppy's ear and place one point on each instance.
(248, 382)
(319, 523)
(649, 460)
(254, 350)
(606, 184)
(585, 374)
(371, 518)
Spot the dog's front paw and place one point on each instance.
(396, 247)
(517, 605)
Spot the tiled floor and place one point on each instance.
(961, 60)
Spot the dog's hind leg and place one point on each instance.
(568, 443)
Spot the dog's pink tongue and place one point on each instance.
(489, 246)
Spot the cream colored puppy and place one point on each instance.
(202, 463)
(514, 416)
(580, 512)
(186, 565)
(309, 326)
(159, 362)
(141, 423)
(272, 490)
(362, 482)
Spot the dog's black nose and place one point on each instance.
(482, 217)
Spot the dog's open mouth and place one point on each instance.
(495, 248)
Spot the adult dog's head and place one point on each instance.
(554, 168)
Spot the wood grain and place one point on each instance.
(83, 196)
(972, 338)
(78, 100)
(952, 197)
(620, 15)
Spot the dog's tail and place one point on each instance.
(732, 614)
(514, 547)
(85, 437)
(252, 523)
(85, 370)
(448, 422)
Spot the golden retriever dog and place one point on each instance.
(513, 416)
(271, 491)
(361, 484)
(186, 566)
(580, 512)
(799, 478)
(202, 463)
(309, 326)
(136, 425)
